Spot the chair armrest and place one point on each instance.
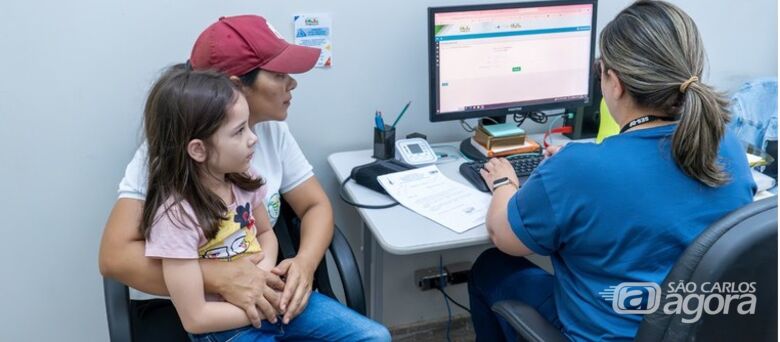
(287, 231)
(527, 321)
(117, 300)
(348, 271)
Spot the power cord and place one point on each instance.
(538, 117)
(447, 298)
(561, 130)
(469, 128)
(358, 205)
(519, 118)
(466, 126)
(453, 300)
(441, 286)
(442, 281)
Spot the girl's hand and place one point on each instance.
(551, 150)
(299, 276)
(497, 168)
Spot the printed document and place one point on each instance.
(429, 193)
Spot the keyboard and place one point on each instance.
(524, 164)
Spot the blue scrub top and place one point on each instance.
(620, 211)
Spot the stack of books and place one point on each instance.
(502, 140)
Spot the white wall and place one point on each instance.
(74, 77)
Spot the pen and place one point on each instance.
(402, 113)
(380, 124)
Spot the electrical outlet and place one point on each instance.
(458, 273)
(430, 278)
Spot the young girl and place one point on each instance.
(203, 200)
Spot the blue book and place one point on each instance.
(503, 130)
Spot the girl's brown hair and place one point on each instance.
(184, 105)
(656, 51)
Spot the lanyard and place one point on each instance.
(643, 120)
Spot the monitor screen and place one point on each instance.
(493, 60)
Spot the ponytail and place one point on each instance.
(695, 144)
(656, 50)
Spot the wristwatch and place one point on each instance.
(502, 181)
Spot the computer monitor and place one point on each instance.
(499, 59)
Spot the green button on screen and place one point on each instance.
(516, 69)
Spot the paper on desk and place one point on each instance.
(754, 160)
(429, 193)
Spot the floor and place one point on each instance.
(461, 330)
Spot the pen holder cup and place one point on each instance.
(384, 143)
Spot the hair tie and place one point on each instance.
(684, 85)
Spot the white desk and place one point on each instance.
(398, 230)
(401, 231)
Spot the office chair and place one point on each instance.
(741, 247)
(287, 231)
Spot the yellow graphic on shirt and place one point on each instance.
(235, 238)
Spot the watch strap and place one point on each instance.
(501, 182)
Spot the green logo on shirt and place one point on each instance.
(274, 206)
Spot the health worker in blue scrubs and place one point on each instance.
(623, 210)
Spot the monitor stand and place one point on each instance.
(468, 150)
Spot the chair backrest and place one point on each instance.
(117, 299)
(288, 232)
(740, 248)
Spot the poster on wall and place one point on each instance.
(314, 30)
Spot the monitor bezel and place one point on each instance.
(502, 112)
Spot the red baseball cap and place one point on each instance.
(237, 45)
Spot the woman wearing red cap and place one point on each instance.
(259, 61)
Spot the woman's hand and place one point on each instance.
(246, 286)
(298, 277)
(551, 150)
(497, 218)
(497, 168)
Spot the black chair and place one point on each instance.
(288, 233)
(741, 247)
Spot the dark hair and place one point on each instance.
(249, 78)
(656, 51)
(184, 105)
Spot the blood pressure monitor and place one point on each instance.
(414, 151)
